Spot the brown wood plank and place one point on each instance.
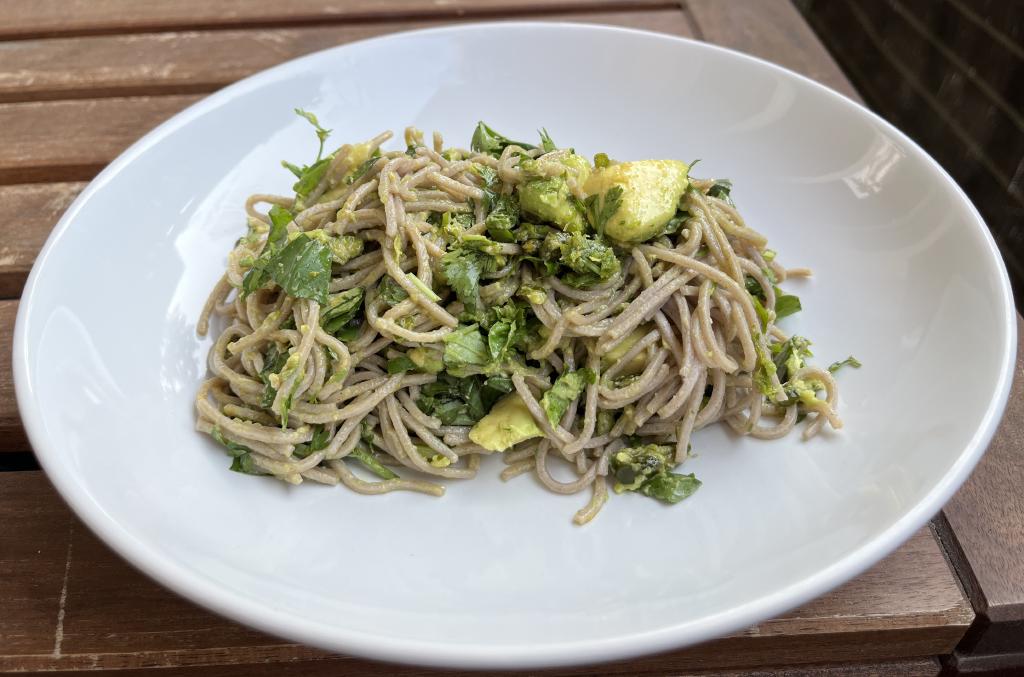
(32, 211)
(772, 30)
(73, 140)
(12, 434)
(909, 606)
(335, 666)
(32, 570)
(201, 61)
(984, 530)
(34, 18)
(37, 143)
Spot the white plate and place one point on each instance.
(495, 575)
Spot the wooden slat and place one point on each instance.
(33, 18)
(772, 30)
(73, 140)
(32, 570)
(32, 210)
(340, 667)
(201, 61)
(12, 434)
(114, 618)
(984, 531)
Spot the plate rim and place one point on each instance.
(207, 594)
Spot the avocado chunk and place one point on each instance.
(426, 359)
(651, 190)
(637, 364)
(549, 198)
(508, 423)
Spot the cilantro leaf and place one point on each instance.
(321, 133)
(463, 265)
(370, 461)
(234, 449)
(786, 304)
(303, 269)
(392, 292)
(503, 219)
(341, 309)
(545, 141)
(670, 487)
(600, 208)
(591, 260)
(465, 348)
(400, 365)
(721, 189)
(461, 401)
(850, 361)
(257, 275)
(646, 469)
(567, 388)
(273, 362)
(486, 140)
(318, 443)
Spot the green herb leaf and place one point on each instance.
(592, 261)
(534, 293)
(670, 487)
(545, 141)
(273, 362)
(321, 133)
(564, 390)
(341, 309)
(317, 443)
(721, 189)
(633, 466)
(392, 292)
(764, 369)
(463, 265)
(850, 361)
(370, 461)
(400, 364)
(600, 208)
(244, 464)
(422, 286)
(303, 269)
(465, 347)
(763, 314)
(461, 401)
(234, 449)
(486, 140)
(785, 304)
(503, 219)
(601, 161)
(257, 275)
(790, 356)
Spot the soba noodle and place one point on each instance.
(399, 297)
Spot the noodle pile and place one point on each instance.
(372, 376)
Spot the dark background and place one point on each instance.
(950, 74)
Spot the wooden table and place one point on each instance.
(81, 79)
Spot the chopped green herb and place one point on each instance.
(370, 461)
(317, 443)
(545, 141)
(486, 140)
(850, 361)
(400, 364)
(564, 390)
(601, 208)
